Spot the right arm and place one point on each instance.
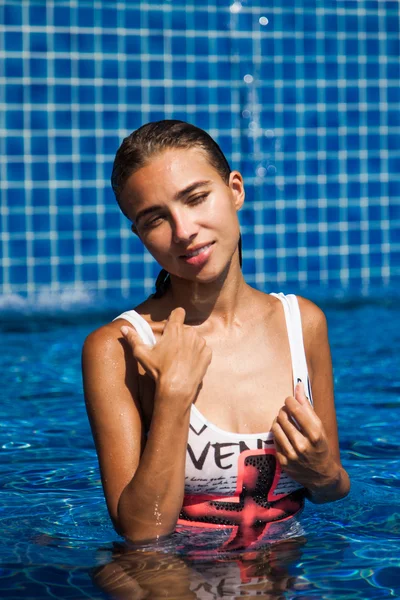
(143, 481)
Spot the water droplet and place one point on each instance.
(248, 78)
(269, 133)
(235, 7)
(246, 114)
(263, 21)
(157, 514)
(271, 170)
(261, 171)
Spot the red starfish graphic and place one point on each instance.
(252, 508)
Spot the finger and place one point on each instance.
(295, 437)
(158, 326)
(300, 393)
(304, 415)
(282, 443)
(131, 335)
(135, 341)
(177, 316)
(280, 455)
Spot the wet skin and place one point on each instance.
(220, 343)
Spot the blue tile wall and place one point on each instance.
(303, 96)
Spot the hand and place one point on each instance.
(301, 443)
(178, 361)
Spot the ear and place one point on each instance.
(236, 185)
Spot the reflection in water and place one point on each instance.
(137, 573)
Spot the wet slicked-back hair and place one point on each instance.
(154, 138)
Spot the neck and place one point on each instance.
(220, 298)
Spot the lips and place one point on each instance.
(196, 251)
(198, 255)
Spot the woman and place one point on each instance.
(200, 399)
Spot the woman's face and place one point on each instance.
(184, 213)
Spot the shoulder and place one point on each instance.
(107, 343)
(313, 320)
(107, 338)
(312, 316)
(108, 363)
(315, 329)
(104, 343)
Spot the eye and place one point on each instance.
(198, 199)
(152, 222)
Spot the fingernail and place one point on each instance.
(124, 330)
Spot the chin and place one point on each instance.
(211, 275)
(203, 276)
(211, 272)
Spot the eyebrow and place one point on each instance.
(190, 188)
(178, 196)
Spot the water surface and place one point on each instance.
(57, 541)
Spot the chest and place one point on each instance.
(245, 385)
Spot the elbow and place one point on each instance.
(143, 521)
(345, 485)
(140, 535)
(150, 537)
(139, 532)
(343, 489)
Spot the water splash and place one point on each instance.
(46, 299)
(235, 8)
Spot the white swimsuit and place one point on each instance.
(233, 479)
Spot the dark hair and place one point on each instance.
(153, 138)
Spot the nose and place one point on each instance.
(184, 227)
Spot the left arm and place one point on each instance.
(309, 452)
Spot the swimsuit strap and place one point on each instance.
(294, 329)
(296, 342)
(141, 326)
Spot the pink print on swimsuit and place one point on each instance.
(254, 506)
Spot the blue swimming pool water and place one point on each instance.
(56, 539)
